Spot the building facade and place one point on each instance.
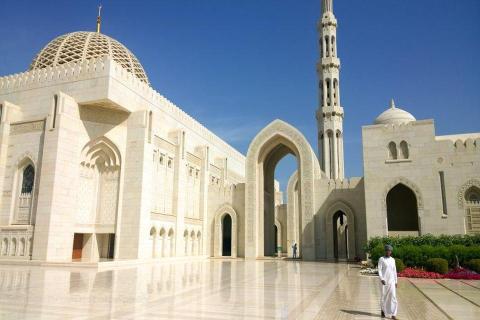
(96, 165)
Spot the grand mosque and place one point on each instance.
(95, 165)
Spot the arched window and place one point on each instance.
(330, 151)
(4, 247)
(328, 91)
(404, 150)
(392, 151)
(335, 92)
(327, 49)
(185, 238)
(13, 249)
(21, 247)
(153, 232)
(171, 243)
(28, 179)
(472, 194)
(333, 47)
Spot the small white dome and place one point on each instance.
(394, 115)
(83, 45)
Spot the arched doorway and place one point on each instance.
(402, 211)
(227, 236)
(225, 232)
(340, 231)
(340, 236)
(269, 146)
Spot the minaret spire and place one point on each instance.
(99, 18)
(330, 111)
(327, 6)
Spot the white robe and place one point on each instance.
(387, 271)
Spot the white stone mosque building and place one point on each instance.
(95, 164)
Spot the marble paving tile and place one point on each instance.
(212, 289)
(451, 303)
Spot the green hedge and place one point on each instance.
(428, 239)
(417, 256)
(399, 265)
(474, 265)
(437, 265)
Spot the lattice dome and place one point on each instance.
(83, 45)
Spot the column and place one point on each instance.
(133, 225)
(180, 182)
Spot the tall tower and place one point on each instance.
(329, 113)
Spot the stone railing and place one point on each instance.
(16, 242)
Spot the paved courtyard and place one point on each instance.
(223, 289)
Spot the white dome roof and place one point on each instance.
(83, 45)
(394, 115)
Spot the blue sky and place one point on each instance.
(237, 65)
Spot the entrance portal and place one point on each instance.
(227, 236)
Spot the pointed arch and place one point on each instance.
(267, 148)
(463, 189)
(220, 214)
(415, 191)
(346, 208)
(99, 183)
(101, 149)
(25, 185)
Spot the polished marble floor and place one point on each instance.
(223, 289)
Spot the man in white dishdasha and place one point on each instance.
(387, 271)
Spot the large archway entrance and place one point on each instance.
(226, 236)
(270, 145)
(402, 211)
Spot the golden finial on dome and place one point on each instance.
(99, 19)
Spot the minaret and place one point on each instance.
(330, 112)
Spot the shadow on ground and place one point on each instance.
(362, 313)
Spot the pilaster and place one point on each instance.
(53, 239)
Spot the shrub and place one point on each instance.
(473, 265)
(376, 253)
(438, 265)
(428, 239)
(399, 264)
(415, 251)
(410, 254)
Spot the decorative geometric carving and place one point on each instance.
(461, 192)
(80, 46)
(97, 197)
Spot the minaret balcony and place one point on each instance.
(332, 111)
(328, 62)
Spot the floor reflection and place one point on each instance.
(196, 289)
